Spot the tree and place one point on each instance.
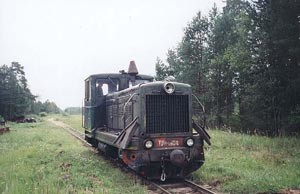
(73, 110)
(15, 96)
(162, 70)
(47, 106)
(276, 58)
(226, 42)
(243, 63)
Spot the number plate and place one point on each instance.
(168, 142)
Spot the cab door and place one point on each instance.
(87, 109)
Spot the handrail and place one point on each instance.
(203, 109)
(125, 105)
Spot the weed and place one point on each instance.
(239, 163)
(41, 158)
(71, 120)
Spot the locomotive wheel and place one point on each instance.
(86, 138)
(91, 141)
(112, 152)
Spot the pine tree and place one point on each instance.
(15, 96)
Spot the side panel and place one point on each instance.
(120, 110)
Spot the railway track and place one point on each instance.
(169, 187)
(74, 132)
(179, 187)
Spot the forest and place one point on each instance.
(244, 64)
(16, 99)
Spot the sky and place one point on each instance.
(62, 42)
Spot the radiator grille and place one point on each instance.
(167, 113)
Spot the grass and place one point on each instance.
(239, 163)
(72, 120)
(41, 158)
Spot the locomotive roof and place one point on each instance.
(119, 75)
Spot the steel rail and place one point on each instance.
(199, 187)
(183, 184)
(160, 188)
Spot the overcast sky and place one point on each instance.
(61, 42)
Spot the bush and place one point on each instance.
(43, 114)
(65, 114)
(235, 123)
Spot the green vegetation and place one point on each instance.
(43, 114)
(15, 96)
(73, 110)
(243, 63)
(44, 107)
(74, 121)
(239, 163)
(41, 158)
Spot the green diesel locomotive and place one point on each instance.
(146, 124)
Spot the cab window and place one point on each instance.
(101, 88)
(105, 86)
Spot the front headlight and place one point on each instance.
(148, 144)
(169, 87)
(189, 142)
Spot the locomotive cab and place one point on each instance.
(148, 125)
(96, 89)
